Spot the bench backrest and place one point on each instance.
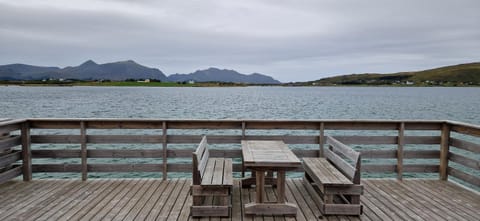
(199, 161)
(344, 158)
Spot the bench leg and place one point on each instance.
(215, 201)
(355, 199)
(328, 199)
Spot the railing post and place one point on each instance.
(401, 143)
(444, 149)
(165, 152)
(83, 143)
(243, 137)
(321, 138)
(26, 152)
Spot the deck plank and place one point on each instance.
(49, 200)
(412, 201)
(393, 201)
(150, 199)
(103, 203)
(128, 207)
(298, 200)
(413, 193)
(449, 200)
(70, 204)
(26, 197)
(124, 200)
(161, 201)
(10, 198)
(112, 203)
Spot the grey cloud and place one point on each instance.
(290, 40)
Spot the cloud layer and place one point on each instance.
(289, 40)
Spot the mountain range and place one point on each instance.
(123, 70)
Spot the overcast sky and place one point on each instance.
(289, 40)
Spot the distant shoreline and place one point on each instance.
(198, 84)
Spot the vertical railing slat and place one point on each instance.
(164, 154)
(401, 143)
(26, 152)
(321, 139)
(83, 146)
(244, 125)
(444, 149)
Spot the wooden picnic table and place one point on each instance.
(261, 156)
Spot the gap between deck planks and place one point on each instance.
(154, 199)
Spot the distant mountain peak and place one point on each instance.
(88, 63)
(129, 62)
(214, 74)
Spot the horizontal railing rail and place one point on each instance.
(394, 147)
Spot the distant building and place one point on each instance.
(144, 81)
(409, 83)
(191, 82)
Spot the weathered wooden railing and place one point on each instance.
(389, 147)
(9, 155)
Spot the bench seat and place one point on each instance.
(325, 173)
(218, 172)
(333, 182)
(212, 183)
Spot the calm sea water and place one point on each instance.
(460, 104)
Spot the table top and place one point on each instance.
(268, 153)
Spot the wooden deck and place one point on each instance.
(153, 199)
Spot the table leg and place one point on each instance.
(260, 207)
(281, 186)
(260, 185)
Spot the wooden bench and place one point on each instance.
(212, 183)
(334, 181)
